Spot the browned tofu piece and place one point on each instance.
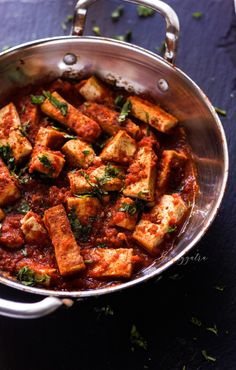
(9, 191)
(94, 90)
(85, 207)
(125, 213)
(152, 114)
(33, 228)
(120, 148)
(20, 146)
(108, 119)
(50, 138)
(46, 161)
(153, 227)
(9, 119)
(141, 177)
(106, 177)
(78, 153)
(29, 116)
(35, 272)
(67, 251)
(85, 127)
(108, 263)
(171, 168)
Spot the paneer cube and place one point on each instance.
(9, 119)
(33, 228)
(20, 146)
(152, 114)
(9, 191)
(108, 119)
(67, 251)
(171, 168)
(163, 218)
(94, 90)
(83, 126)
(78, 183)
(85, 207)
(125, 213)
(120, 148)
(47, 162)
(35, 272)
(141, 177)
(50, 138)
(108, 263)
(78, 153)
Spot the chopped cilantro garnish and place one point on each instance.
(126, 37)
(143, 11)
(7, 156)
(23, 207)
(81, 232)
(86, 152)
(117, 13)
(63, 107)
(24, 252)
(136, 339)
(46, 163)
(25, 128)
(101, 245)
(28, 277)
(119, 101)
(96, 190)
(207, 357)
(220, 111)
(197, 15)
(125, 111)
(69, 18)
(37, 99)
(97, 31)
(171, 229)
(131, 209)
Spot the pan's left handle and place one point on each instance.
(32, 310)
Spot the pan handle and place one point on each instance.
(32, 310)
(172, 22)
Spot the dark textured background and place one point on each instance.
(80, 337)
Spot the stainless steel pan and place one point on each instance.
(141, 71)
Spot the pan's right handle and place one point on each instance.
(172, 22)
(32, 310)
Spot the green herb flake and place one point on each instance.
(171, 229)
(213, 329)
(24, 252)
(46, 163)
(23, 207)
(119, 101)
(127, 37)
(88, 262)
(136, 339)
(97, 31)
(126, 109)
(131, 209)
(63, 107)
(96, 189)
(144, 12)
(86, 152)
(117, 13)
(161, 49)
(28, 277)
(24, 129)
(37, 99)
(197, 15)
(208, 357)
(220, 111)
(101, 245)
(80, 231)
(7, 156)
(196, 321)
(69, 18)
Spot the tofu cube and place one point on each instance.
(171, 166)
(108, 119)
(9, 119)
(78, 153)
(153, 227)
(141, 177)
(108, 263)
(120, 148)
(47, 162)
(42, 275)
(33, 228)
(152, 114)
(50, 138)
(20, 146)
(125, 214)
(85, 207)
(78, 183)
(85, 127)
(29, 116)
(9, 191)
(67, 251)
(95, 91)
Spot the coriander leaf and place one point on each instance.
(197, 15)
(7, 156)
(88, 262)
(136, 339)
(69, 18)
(80, 231)
(96, 190)
(119, 101)
(23, 207)
(25, 128)
(207, 357)
(126, 37)
(86, 152)
(220, 111)
(196, 321)
(117, 13)
(131, 209)
(101, 245)
(171, 229)
(143, 11)
(126, 109)
(46, 163)
(161, 49)
(97, 31)
(28, 277)
(37, 99)
(63, 107)
(24, 252)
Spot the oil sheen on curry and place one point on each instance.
(95, 185)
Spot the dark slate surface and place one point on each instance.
(80, 337)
